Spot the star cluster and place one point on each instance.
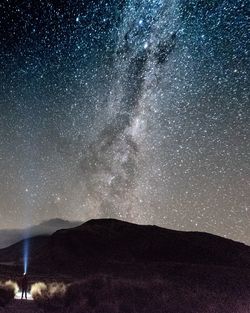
(137, 110)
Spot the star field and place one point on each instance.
(137, 110)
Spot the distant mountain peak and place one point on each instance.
(11, 236)
(56, 221)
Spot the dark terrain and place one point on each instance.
(11, 236)
(108, 240)
(182, 271)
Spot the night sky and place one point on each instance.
(137, 110)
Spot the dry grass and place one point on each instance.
(49, 297)
(103, 294)
(8, 290)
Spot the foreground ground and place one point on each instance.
(21, 306)
(155, 288)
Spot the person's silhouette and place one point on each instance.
(24, 285)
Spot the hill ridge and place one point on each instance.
(99, 242)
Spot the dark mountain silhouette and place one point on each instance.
(97, 243)
(11, 236)
(119, 261)
(14, 253)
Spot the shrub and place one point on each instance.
(7, 292)
(50, 297)
(104, 294)
(119, 295)
(12, 285)
(38, 290)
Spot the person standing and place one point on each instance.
(24, 285)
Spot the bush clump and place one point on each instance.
(103, 294)
(50, 297)
(8, 290)
(106, 294)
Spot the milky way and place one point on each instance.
(137, 110)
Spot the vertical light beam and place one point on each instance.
(25, 254)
